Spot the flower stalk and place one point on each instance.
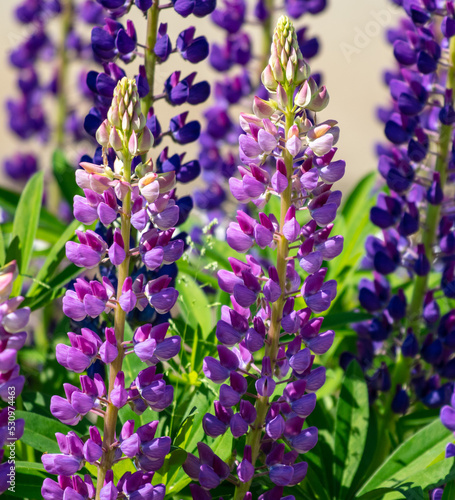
(262, 319)
(150, 56)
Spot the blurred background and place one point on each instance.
(352, 56)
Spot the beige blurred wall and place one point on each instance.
(352, 57)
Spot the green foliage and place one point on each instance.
(411, 458)
(352, 416)
(25, 225)
(64, 174)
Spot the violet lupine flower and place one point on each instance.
(218, 141)
(119, 199)
(117, 41)
(263, 318)
(415, 222)
(13, 320)
(27, 116)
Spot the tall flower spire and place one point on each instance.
(121, 199)
(414, 324)
(267, 337)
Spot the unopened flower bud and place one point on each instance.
(281, 97)
(167, 181)
(293, 131)
(306, 93)
(102, 134)
(263, 109)
(113, 116)
(268, 80)
(126, 123)
(7, 276)
(132, 144)
(277, 69)
(115, 140)
(145, 141)
(321, 100)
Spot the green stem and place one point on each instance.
(273, 335)
(150, 56)
(62, 105)
(434, 211)
(54, 193)
(110, 421)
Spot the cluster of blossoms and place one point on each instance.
(218, 156)
(415, 219)
(115, 41)
(27, 115)
(265, 339)
(122, 199)
(13, 320)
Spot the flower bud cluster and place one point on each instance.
(269, 335)
(120, 199)
(411, 319)
(218, 156)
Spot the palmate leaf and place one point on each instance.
(25, 226)
(351, 428)
(410, 458)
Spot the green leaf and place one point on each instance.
(351, 428)
(2, 249)
(194, 304)
(417, 485)
(64, 174)
(449, 491)
(9, 201)
(25, 225)
(54, 289)
(40, 431)
(355, 202)
(170, 470)
(411, 457)
(54, 258)
(382, 494)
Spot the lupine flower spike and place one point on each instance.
(120, 199)
(267, 337)
(415, 237)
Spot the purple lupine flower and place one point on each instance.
(262, 312)
(144, 200)
(414, 221)
(13, 320)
